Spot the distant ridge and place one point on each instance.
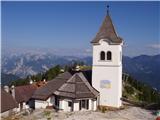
(143, 68)
(7, 78)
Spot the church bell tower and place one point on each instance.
(107, 64)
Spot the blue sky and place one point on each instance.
(68, 27)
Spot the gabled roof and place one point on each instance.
(107, 31)
(86, 73)
(67, 85)
(77, 87)
(24, 93)
(7, 101)
(47, 90)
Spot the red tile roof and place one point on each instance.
(24, 93)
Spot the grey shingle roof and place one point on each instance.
(77, 87)
(47, 90)
(107, 31)
(67, 85)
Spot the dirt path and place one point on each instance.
(131, 113)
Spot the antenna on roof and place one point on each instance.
(107, 9)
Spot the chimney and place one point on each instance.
(13, 91)
(6, 88)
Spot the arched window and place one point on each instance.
(102, 55)
(109, 55)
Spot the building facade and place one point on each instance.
(67, 92)
(74, 92)
(107, 64)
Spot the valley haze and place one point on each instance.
(144, 68)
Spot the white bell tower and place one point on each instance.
(107, 64)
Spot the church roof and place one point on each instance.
(107, 31)
(77, 87)
(70, 85)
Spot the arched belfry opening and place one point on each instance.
(102, 55)
(109, 55)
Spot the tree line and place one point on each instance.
(144, 92)
(132, 87)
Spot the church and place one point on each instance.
(101, 86)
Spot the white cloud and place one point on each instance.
(154, 46)
(88, 50)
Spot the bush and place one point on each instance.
(103, 109)
(129, 89)
(47, 114)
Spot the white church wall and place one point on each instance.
(94, 105)
(110, 94)
(90, 104)
(60, 104)
(104, 46)
(43, 104)
(40, 104)
(76, 106)
(65, 106)
(107, 75)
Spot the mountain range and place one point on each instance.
(7, 78)
(143, 68)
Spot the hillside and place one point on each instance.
(143, 68)
(132, 89)
(140, 93)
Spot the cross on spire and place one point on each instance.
(107, 9)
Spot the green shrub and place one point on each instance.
(129, 89)
(47, 114)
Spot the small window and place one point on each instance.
(69, 104)
(102, 55)
(109, 55)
